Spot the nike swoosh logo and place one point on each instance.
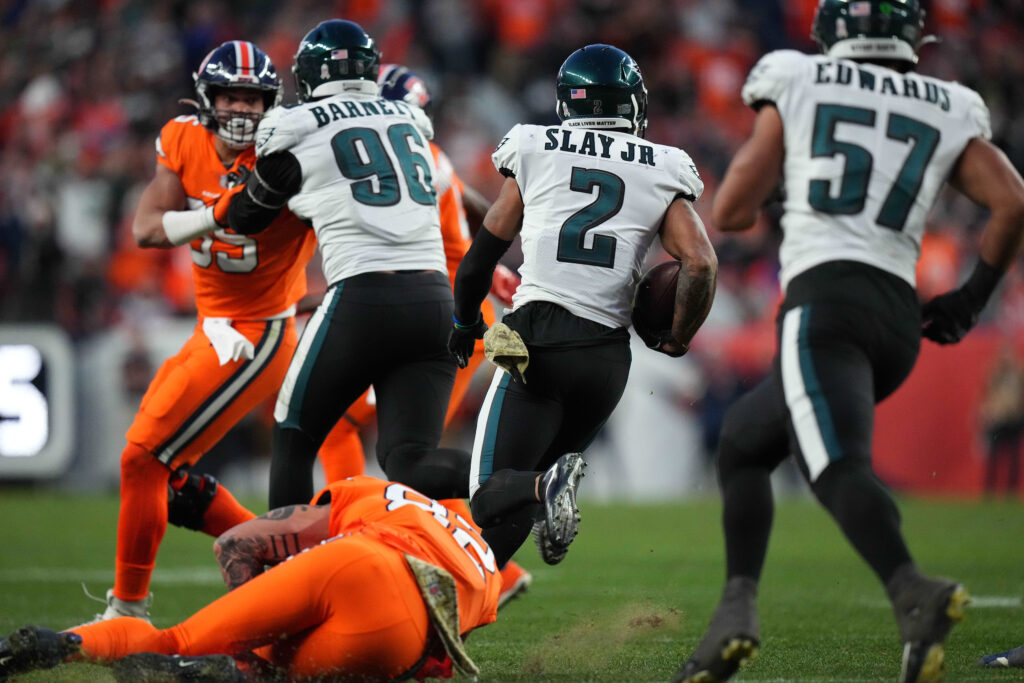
(183, 663)
(6, 659)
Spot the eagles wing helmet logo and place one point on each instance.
(263, 136)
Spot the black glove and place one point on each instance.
(948, 317)
(463, 339)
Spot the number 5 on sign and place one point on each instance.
(36, 401)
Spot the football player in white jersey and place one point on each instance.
(863, 145)
(359, 168)
(587, 198)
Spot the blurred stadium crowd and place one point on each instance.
(85, 87)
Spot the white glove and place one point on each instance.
(229, 343)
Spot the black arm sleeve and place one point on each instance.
(276, 178)
(473, 278)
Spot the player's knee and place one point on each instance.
(742, 448)
(136, 462)
(190, 498)
(843, 477)
(402, 461)
(483, 504)
(729, 454)
(436, 472)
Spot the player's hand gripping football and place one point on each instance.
(948, 317)
(463, 339)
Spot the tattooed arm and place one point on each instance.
(684, 237)
(243, 551)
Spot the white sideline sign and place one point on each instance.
(36, 401)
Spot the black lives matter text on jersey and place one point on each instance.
(899, 85)
(587, 143)
(349, 109)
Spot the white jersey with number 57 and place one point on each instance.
(867, 151)
(594, 200)
(367, 181)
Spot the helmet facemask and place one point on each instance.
(236, 128)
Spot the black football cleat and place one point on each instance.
(926, 611)
(732, 638)
(150, 667)
(33, 647)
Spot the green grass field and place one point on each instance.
(628, 604)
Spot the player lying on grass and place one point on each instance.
(376, 581)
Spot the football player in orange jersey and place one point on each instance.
(388, 585)
(341, 454)
(246, 290)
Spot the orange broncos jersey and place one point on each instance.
(412, 523)
(236, 276)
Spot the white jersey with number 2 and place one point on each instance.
(594, 200)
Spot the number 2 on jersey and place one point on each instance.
(853, 187)
(573, 233)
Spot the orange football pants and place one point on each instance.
(348, 607)
(194, 400)
(189, 406)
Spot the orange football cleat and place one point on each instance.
(514, 581)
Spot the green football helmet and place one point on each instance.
(336, 56)
(600, 86)
(870, 29)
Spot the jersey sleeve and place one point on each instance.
(277, 131)
(770, 77)
(423, 122)
(978, 119)
(168, 146)
(689, 178)
(443, 178)
(506, 156)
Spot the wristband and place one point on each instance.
(479, 317)
(181, 227)
(982, 283)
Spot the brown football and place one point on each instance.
(655, 299)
